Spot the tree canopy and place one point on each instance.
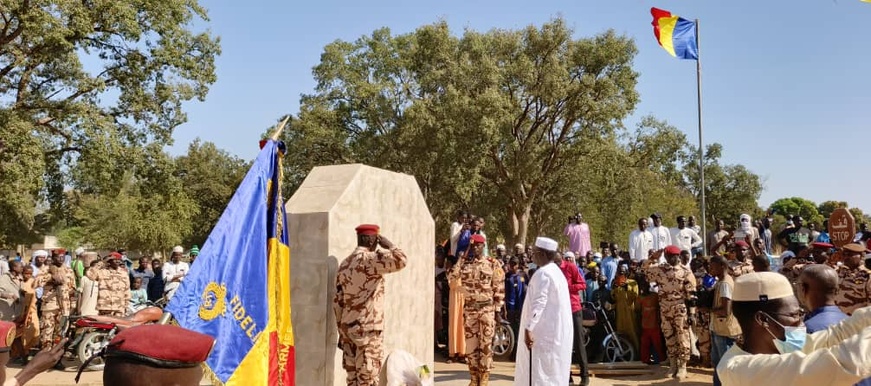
(524, 126)
(86, 90)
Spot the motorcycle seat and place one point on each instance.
(145, 315)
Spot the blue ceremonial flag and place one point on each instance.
(238, 290)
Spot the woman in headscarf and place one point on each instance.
(27, 323)
(10, 292)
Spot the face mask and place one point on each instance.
(795, 338)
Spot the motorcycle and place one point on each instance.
(617, 348)
(88, 335)
(504, 339)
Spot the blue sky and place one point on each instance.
(785, 83)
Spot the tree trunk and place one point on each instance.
(520, 222)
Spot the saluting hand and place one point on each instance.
(384, 242)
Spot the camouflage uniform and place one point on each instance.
(55, 301)
(703, 332)
(114, 295)
(675, 287)
(854, 288)
(737, 268)
(483, 284)
(359, 310)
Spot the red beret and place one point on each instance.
(61, 251)
(478, 239)
(368, 229)
(161, 345)
(672, 250)
(115, 255)
(7, 329)
(742, 243)
(819, 245)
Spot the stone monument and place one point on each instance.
(322, 215)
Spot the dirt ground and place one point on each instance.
(455, 374)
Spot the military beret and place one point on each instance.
(672, 250)
(163, 346)
(760, 287)
(113, 255)
(7, 330)
(855, 247)
(819, 245)
(368, 229)
(742, 243)
(478, 239)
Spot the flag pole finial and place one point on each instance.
(280, 128)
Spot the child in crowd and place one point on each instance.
(650, 325)
(138, 295)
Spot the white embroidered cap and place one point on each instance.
(546, 244)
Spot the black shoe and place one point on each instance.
(585, 381)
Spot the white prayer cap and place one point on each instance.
(760, 287)
(569, 255)
(546, 244)
(40, 253)
(80, 251)
(178, 249)
(500, 247)
(597, 254)
(518, 246)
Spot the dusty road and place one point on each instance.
(455, 374)
(503, 375)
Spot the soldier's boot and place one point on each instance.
(476, 379)
(682, 370)
(484, 380)
(672, 367)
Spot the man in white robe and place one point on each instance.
(545, 323)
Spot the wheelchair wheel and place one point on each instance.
(504, 340)
(618, 352)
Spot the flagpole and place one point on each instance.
(280, 127)
(701, 143)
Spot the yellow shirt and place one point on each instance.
(838, 355)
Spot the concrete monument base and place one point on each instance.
(322, 215)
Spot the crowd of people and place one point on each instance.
(38, 294)
(667, 289)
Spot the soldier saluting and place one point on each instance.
(675, 288)
(483, 283)
(359, 303)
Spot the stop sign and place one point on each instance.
(842, 227)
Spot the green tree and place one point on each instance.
(827, 207)
(495, 115)
(209, 176)
(149, 210)
(85, 87)
(797, 206)
(730, 190)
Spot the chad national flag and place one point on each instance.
(238, 290)
(675, 35)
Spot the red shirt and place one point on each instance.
(576, 283)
